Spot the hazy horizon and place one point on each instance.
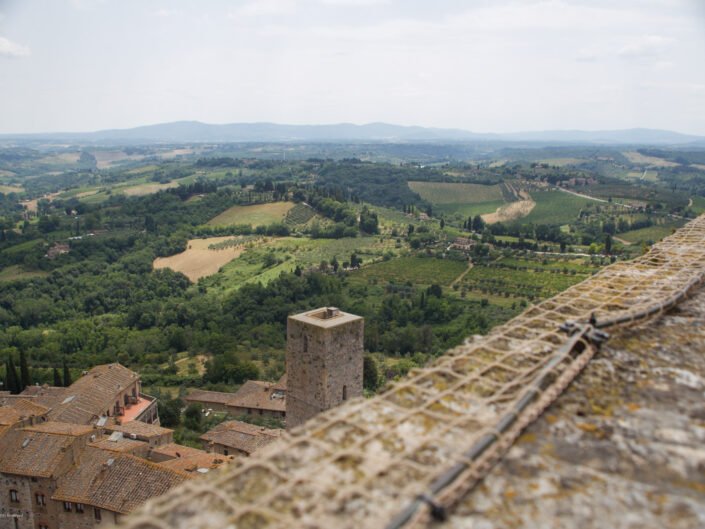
(334, 124)
(488, 67)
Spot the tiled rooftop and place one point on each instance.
(122, 445)
(31, 453)
(61, 428)
(93, 394)
(139, 428)
(116, 482)
(241, 436)
(174, 450)
(197, 463)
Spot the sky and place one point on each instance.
(479, 65)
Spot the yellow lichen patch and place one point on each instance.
(588, 427)
(528, 437)
(509, 494)
(253, 520)
(437, 381)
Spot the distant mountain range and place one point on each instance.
(195, 131)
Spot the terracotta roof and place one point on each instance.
(198, 462)
(255, 394)
(259, 395)
(93, 394)
(116, 482)
(140, 429)
(122, 444)
(215, 397)
(9, 416)
(61, 428)
(48, 396)
(27, 407)
(174, 450)
(281, 383)
(30, 453)
(240, 436)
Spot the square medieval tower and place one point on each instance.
(324, 358)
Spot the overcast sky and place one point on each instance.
(480, 65)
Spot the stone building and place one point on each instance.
(151, 434)
(106, 486)
(255, 397)
(324, 359)
(77, 457)
(236, 437)
(31, 461)
(108, 391)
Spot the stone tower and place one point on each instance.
(324, 357)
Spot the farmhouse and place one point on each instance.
(464, 244)
(57, 250)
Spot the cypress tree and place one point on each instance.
(57, 378)
(13, 381)
(25, 378)
(67, 375)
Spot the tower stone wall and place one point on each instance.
(324, 359)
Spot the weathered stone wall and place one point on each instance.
(16, 515)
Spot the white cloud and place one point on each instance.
(258, 8)
(164, 13)
(646, 46)
(353, 3)
(12, 49)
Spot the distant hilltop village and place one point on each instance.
(87, 454)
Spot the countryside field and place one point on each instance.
(534, 283)
(641, 159)
(439, 193)
(256, 215)
(286, 253)
(650, 234)
(198, 260)
(562, 162)
(147, 188)
(10, 189)
(16, 273)
(555, 207)
(423, 271)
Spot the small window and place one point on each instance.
(79, 508)
(345, 393)
(43, 526)
(41, 500)
(14, 497)
(305, 344)
(96, 514)
(67, 506)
